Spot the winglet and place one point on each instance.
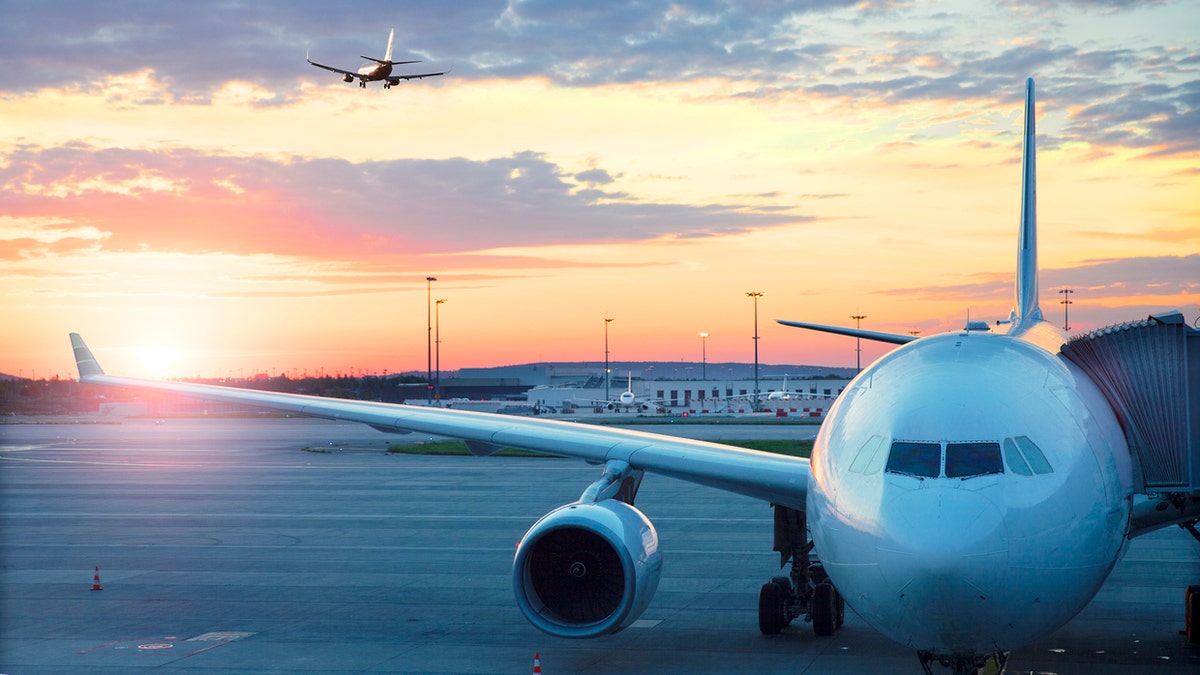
(1027, 312)
(84, 361)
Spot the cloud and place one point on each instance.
(1123, 88)
(183, 200)
(1097, 279)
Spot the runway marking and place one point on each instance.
(206, 641)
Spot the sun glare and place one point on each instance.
(157, 361)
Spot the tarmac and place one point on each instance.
(221, 546)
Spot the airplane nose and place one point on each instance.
(943, 558)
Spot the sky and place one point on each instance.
(183, 189)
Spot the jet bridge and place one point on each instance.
(1150, 373)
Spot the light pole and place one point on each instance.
(756, 295)
(703, 356)
(1066, 303)
(858, 341)
(437, 348)
(606, 377)
(429, 340)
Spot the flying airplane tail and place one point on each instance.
(1026, 312)
(391, 37)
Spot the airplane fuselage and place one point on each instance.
(375, 72)
(970, 491)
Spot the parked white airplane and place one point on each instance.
(786, 394)
(967, 494)
(626, 401)
(381, 69)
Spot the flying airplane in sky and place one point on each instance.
(381, 69)
(968, 493)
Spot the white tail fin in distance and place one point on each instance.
(1026, 312)
(391, 36)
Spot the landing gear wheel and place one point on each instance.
(841, 608)
(1191, 607)
(772, 608)
(824, 609)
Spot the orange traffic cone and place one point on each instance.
(537, 664)
(96, 580)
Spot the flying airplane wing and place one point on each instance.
(395, 79)
(351, 73)
(774, 478)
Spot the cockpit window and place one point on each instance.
(964, 460)
(1016, 463)
(1037, 460)
(870, 457)
(915, 459)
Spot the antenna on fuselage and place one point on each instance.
(1026, 313)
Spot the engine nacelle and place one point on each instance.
(347, 78)
(585, 570)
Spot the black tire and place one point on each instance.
(789, 598)
(772, 612)
(824, 609)
(1191, 607)
(841, 609)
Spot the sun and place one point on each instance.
(157, 361)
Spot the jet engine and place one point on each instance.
(347, 78)
(587, 569)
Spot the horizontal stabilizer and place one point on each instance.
(890, 338)
(385, 62)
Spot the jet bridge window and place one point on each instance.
(965, 460)
(915, 459)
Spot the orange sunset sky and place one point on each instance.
(183, 189)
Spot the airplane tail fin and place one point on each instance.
(1026, 312)
(391, 37)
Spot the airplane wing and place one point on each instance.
(891, 338)
(331, 68)
(774, 478)
(395, 79)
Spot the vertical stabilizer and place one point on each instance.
(391, 36)
(1027, 312)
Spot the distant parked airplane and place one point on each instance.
(626, 401)
(381, 69)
